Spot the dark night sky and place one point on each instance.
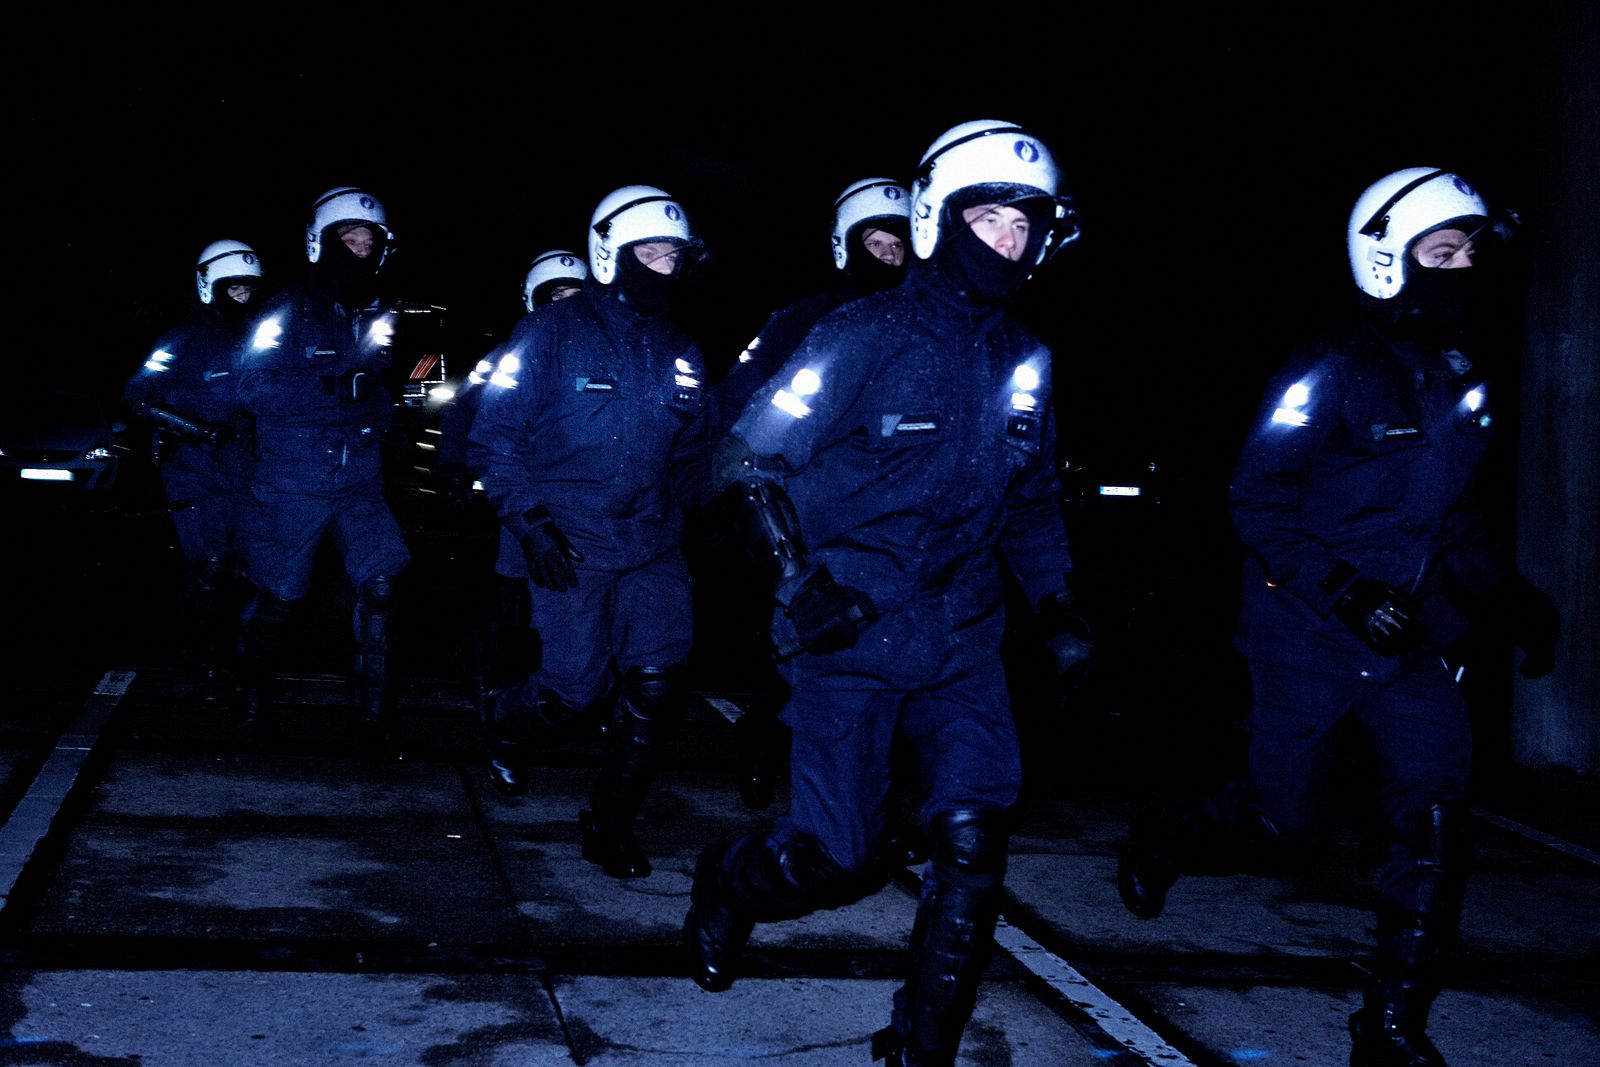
(1214, 158)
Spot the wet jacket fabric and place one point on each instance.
(599, 415)
(1361, 462)
(190, 373)
(319, 457)
(913, 432)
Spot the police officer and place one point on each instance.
(591, 439)
(884, 473)
(508, 641)
(313, 374)
(201, 437)
(870, 228)
(1366, 557)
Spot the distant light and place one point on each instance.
(1025, 377)
(99, 453)
(476, 484)
(442, 393)
(805, 382)
(1121, 490)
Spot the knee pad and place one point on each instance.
(969, 843)
(269, 611)
(655, 693)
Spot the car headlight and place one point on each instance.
(98, 453)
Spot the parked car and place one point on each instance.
(61, 441)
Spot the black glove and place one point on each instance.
(1389, 621)
(1531, 619)
(827, 616)
(550, 556)
(356, 384)
(1067, 636)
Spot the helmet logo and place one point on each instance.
(672, 212)
(567, 261)
(1462, 187)
(367, 202)
(891, 193)
(247, 257)
(1026, 151)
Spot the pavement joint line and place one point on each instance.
(1548, 840)
(1118, 1022)
(26, 825)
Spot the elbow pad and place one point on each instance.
(769, 528)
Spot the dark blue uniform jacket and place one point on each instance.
(913, 432)
(598, 414)
(1363, 452)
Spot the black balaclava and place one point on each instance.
(353, 280)
(978, 270)
(1439, 307)
(864, 271)
(646, 291)
(236, 317)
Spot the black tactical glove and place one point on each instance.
(827, 616)
(1530, 618)
(1067, 636)
(1389, 621)
(549, 554)
(356, 384)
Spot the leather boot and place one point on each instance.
(260, 641)
(374, 697)
(651, 702)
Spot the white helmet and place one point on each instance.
(987, 152)
(346, 204)
(557, 265)
(1393, 212)
(863, 201)
(632, 213)
(222, 260)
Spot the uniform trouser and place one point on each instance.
(290, 526)
(962, 742)
(208, 496)
(611, 621)
(1417, 728)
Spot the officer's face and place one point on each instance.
(241, 292)
(359, 240)
(659, 256)
(1444, 250)
(1004, 229)
(886, 246)
(561, 292)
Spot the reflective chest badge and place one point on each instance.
(595, 385)
(908, 425)
(1382, 431)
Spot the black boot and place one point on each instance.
(651, 703)
(1147, 866)
(204, 630)
(1413, 937)
(260, 641)
(511, 725)
(374, 697)
(951, 939)
(755, 879)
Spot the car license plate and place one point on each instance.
(46, 474)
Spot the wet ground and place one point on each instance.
(178, 893)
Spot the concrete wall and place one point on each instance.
(1555, 721)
